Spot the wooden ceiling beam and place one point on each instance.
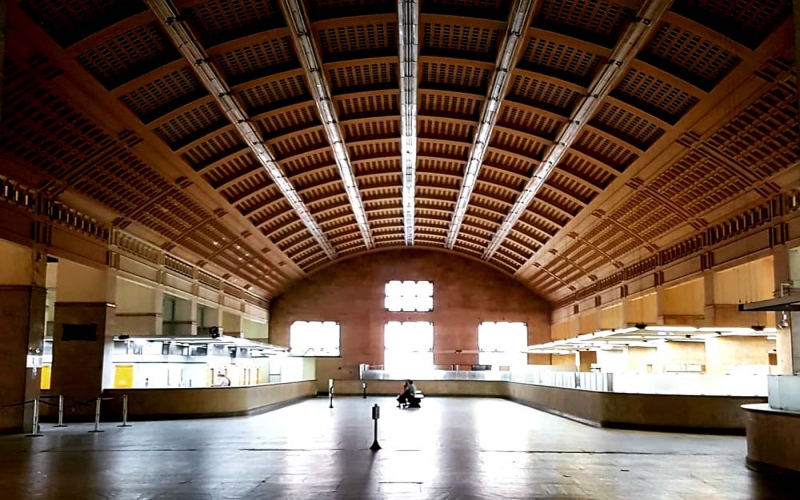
(551, 79)
(569, 196)
(579, 180)
(108, 32)
(668, 77)
(539, 32)
(703, 31)
(637, 111)
(605, 167)
(450, 19)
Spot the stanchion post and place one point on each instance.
(376, 414)
(364, 388)
(60, 411)
(35, 429)
(330, 392)
(96, 416)
(124, 411)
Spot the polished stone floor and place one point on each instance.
(450, 449)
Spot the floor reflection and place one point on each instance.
(450, 449)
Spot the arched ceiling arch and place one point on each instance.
(700, 113)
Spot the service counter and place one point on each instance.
(178, 403)
(773, 438)
(478, 388)
(660, 412)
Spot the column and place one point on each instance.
(2, 50)
(140, 308)
(22, 307)
(184, 319)
(83, 335)
(585, 360)
(709, 299)
(232, 324)
(786, 264)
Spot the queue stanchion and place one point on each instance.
(364, 388)
(97, 416)
(124, 412)
(376, 414)
(35, 428)
(60, 412)
(330, 393)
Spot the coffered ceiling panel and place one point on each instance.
(99, 100)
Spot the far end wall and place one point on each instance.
(465, 294)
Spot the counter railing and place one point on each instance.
(689, 384)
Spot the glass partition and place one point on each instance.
(693, 384)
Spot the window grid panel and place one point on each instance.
(409, 296)
(315, 338)
(408, 344)
(502, 344)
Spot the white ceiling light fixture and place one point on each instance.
(625, 50)
(307, 52)
(185, 41)
(519, 20)
(408, 33)
(668, 328)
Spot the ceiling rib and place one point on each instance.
(408, 32)
(183, 38)
(518, 22)
(636, 35)
(308, 53)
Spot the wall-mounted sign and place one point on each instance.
(87, 332)
(33, 361)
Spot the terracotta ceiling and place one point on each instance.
(696, 120)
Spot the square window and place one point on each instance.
(409, 296)
(502, 344)
(408, 345)
(314, 338)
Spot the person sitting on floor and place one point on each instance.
(408, 395)
(403, 398)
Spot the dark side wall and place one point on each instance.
(465, 294)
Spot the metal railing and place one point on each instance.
(688, 384)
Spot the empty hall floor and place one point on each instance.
(452, 448)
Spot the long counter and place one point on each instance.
(773, 439)
(466, 388)
(662, 412)
(153, 404)
(708, 414)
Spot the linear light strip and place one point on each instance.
(518, 21)
(296, 17)
(183, 38)
(624, 52)
(408, 33)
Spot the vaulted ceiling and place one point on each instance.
(613, 128)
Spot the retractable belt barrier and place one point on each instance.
(35, 424)
(124, 412)
(36, 428)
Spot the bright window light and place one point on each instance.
(408, 344)
(502, 344)
(314, 338)
(409, 296)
